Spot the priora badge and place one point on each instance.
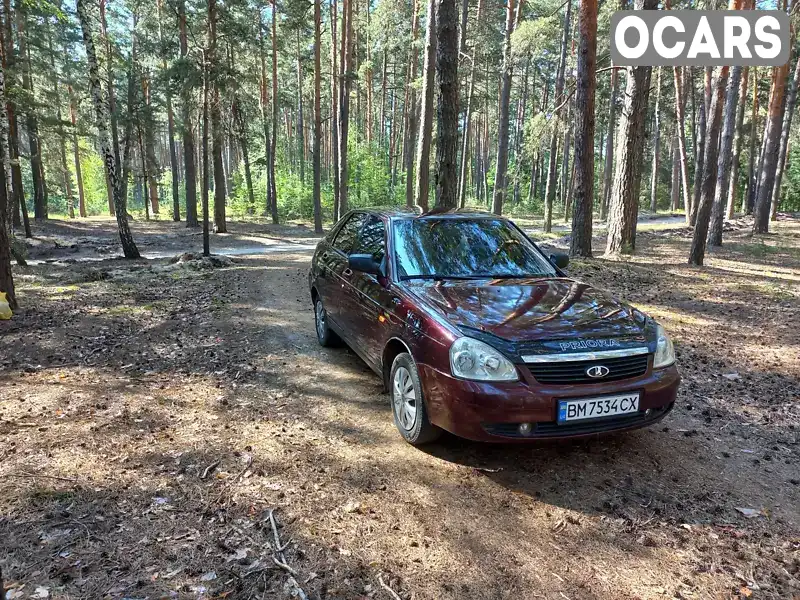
(597, 371)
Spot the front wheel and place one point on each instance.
(325, 335)
(408, 404)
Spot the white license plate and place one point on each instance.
(595, 408)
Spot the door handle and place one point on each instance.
(347, 272)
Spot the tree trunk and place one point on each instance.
(62, 138)
(724, 158)
(520, 129)
(189, 166)
(426, 119)
(749, 198)
(608, 166)
(173, 153)
(784, 143)
(206, 180)
(411, 130)
(217, 133)
(317, 118)
(147, 121)
(656, 147)
(733, 180)
(624, 204)
(447, 104)
(17, 202)
(700, 141)
(76, 154)
(126, 239)
(6, 275)
(264, 101)
(241, 125)
(581, 244)
(502, 122)
(772, 135)
(273, 191)
(344, 101)
(550, 189)
(133, 71)
(710, 167)
(300, 124)
(675, 185)
(31, 120)
(681, 96)
(335, 109)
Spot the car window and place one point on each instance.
(372, 239)
(347, 238)
(465, 248)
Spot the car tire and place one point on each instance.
(408, 404)
(325, 335)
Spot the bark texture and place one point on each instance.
(502, 121)
(709, 175)
(624, 203)
(724, 159)
(558, 100)
(581, 244)
(447, 104)
(783, 147)
(426, 118)
(769, 164)
(129, 248)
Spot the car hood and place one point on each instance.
(533, 309)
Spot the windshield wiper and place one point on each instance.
(471, 277)
(443, 277)
(516, 276)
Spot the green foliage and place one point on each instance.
(94, 183)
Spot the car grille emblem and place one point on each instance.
(597, 371)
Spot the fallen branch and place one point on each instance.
(284, 566)
(38, 476)
(209, 468)
(279, 548)
(387, 588)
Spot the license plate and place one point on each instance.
(595, 408)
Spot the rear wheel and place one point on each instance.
(408, 403)
(325, 335)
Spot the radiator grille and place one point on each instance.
(624, 367)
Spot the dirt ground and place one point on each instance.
(153, 413)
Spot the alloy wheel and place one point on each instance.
(405, 398)
(319, 313)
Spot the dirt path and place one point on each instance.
(124, 384)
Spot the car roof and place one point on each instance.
(410, 213)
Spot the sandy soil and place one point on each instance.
(153, 414)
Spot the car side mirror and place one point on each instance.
(365, 263)
(560, 260)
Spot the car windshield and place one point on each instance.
(447, 248)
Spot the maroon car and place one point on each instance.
(476, 331)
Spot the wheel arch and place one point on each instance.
(392, 348)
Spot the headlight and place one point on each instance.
(665, 351)
(472, 359)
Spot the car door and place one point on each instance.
(337, 293)
(372, 298)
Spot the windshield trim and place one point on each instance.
(392, 247)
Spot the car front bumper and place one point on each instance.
(492, 411)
